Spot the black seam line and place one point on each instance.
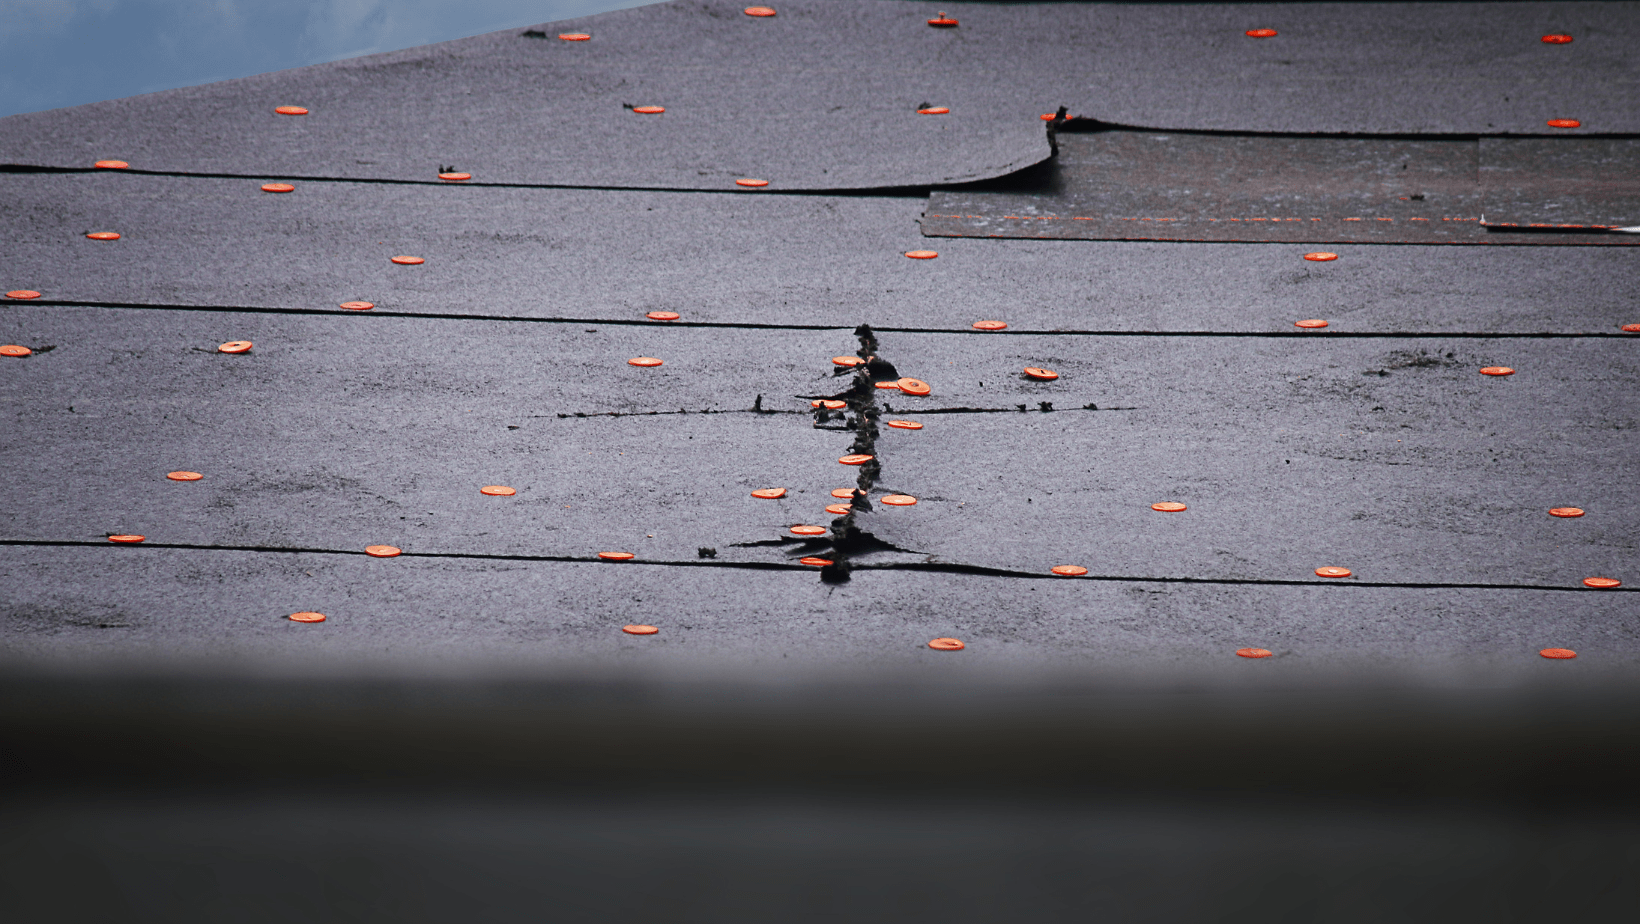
(752, 325)
(1081, 125)
(931, 567)
(874, 192)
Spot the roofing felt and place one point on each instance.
(1380, 447)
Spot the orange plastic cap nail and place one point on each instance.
(12, 349)
(1557, 654)
(127, 538)
(832, 405)
(1332, 572)
(290, 110)
(1565, 511)
(497, 490)
(358, 306)
(922, 254)
(1045, 375)
(943, 22)
(1563, 123)
(22, 293)
(382, 551)
(808, 530)
(1557, 40)
(842, 492)
(1310, 324)
(905, 425)
(899, 500)
(816, 562)
(769, 493)
(455, 177)
(307, 617)
(1253, 652)
(574, 36)
(278, 187)
(639, 630)
(663, 316)
(1262, 33)
(1321, 257)
(1049, 116)
(946, 644)
(649, 110)
(111, 165)
(1069, 570)
(409, 261)
(838, 510)
(616, 556)
(751, 181)
(989, 325)
(759, 11)
(934, 110)
(184, 476)
(1169, 507)
(914, 386)
(1602, 583)
(104, 235)
(645, 361)
(847, 360)
(1631, 328)
(855, 459)
(1497, 370)
(235, 346)
(894, 385)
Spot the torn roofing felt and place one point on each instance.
(825, 95)
(1120, 183)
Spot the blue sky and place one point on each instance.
(66, 52)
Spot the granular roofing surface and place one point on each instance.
(1373, 444)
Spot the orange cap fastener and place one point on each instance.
(1557, 40)
(816, 562)
(1497, 370)
(838, 510)
(914, 386)
(22, 293)
(12, 349)
(382, 551)
(922, 254)
(1069, 570)
(808, 530)
(1602, 583)
(104, 235)
(639, 630)
(235, 346)
(1332, 572)
(759, 11)
(894, 384)
(1321, 257)
(278, 187)
(649, 110)
(574, 36)
(497, 490)
(1046, 375)
(1631, 328)
(989, 325)
(409, 261)
(290, 110)
(111, 165)
(616, 556)
(769, 493)
(1253, 652)
(905, 425)
(934, 110)
(645, 361)
(127, 538)
(1565, 511)
(1310, 324)
(946, 644)
(842, 492)
(1557, 654)
(1169, 507)
(855, 459)
(847, 360)
(899, 500)
(1262, 33)
(663, 315)
(1563, 123)
(943, 22)
(307, 617)
(358, 306)
(184, 476)
(455, 177)
(749, 181)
